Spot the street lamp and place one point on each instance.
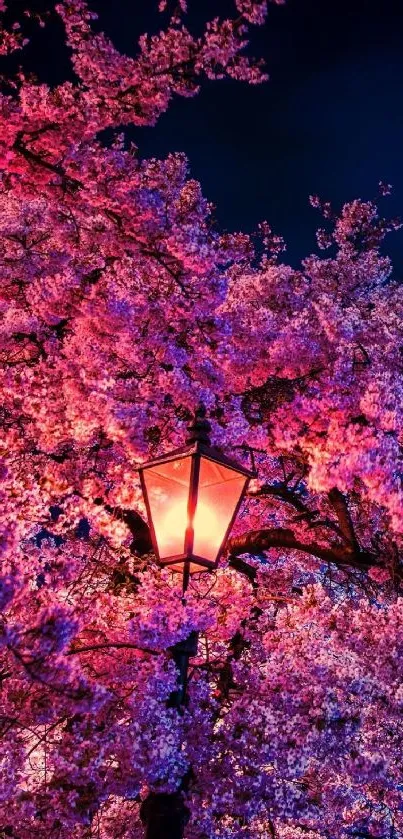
(192, 496)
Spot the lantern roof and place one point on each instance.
(204, 450)
(198, 443)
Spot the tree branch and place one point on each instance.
(243, 568)
(284, 494)
(257, 541)
(35, 158)
(114, 645)
(340, 507)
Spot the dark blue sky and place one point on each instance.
(330, 121)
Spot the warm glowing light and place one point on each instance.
(205, 523)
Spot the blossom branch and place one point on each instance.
(257, 541)
(115, 645)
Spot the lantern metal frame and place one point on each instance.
(198, 447)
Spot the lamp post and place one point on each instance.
(192, 496)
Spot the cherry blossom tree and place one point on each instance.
(122, 306)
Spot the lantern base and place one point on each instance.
(196, 564)
(193, 568)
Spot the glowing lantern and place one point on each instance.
(192, 497)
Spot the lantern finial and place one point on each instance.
(200, 427)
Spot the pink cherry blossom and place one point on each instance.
(121, 307)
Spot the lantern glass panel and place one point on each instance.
(220, 489)
(167, 486)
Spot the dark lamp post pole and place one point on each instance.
(192, 497)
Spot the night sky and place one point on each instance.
(329, 121)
